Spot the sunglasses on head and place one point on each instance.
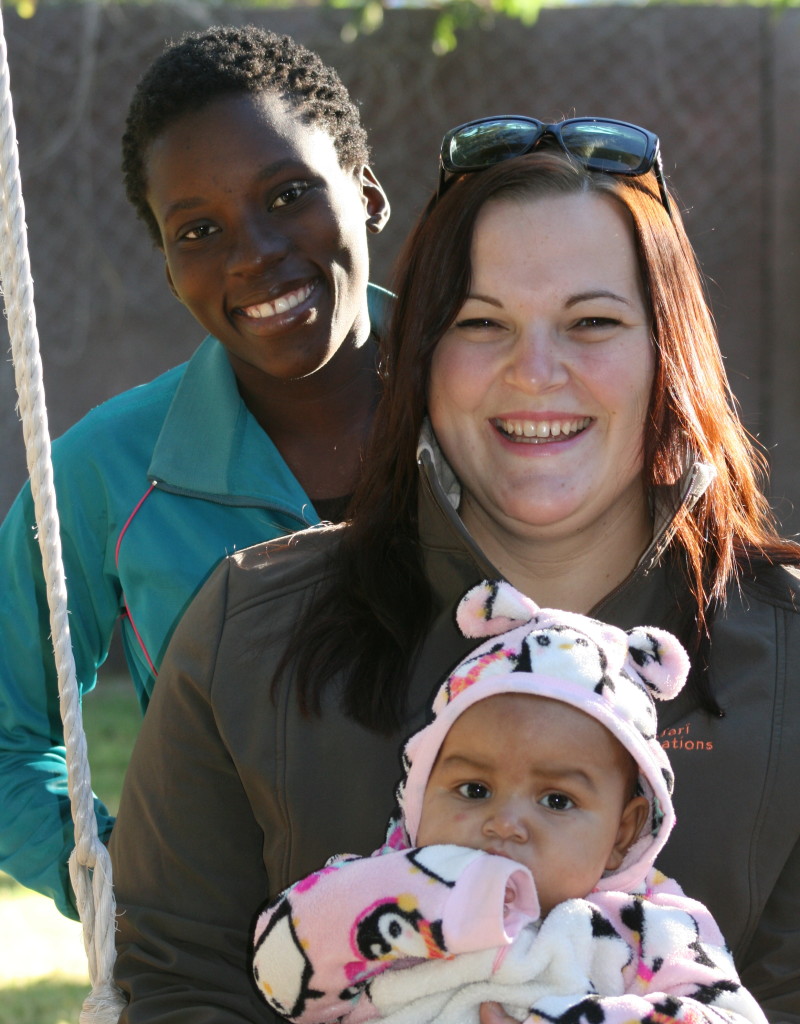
(597, 143)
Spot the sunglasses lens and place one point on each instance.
(614, 148)
(481, 145)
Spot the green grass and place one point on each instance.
(43, 978)
(111, 719)
(50, 1000)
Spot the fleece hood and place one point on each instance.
(608, 673)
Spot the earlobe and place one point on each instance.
(633, 820)
(375, 201)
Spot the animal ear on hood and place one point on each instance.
(657, 658)
(493, 607)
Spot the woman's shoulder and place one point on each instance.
(775, 585)
(141, 408)
(295, 553)
(275, 570)
(252, 601)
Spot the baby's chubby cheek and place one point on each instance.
(454, 829)
(460, 829)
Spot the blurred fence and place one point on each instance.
(720, 85)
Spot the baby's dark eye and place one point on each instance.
(556, 802)
(474, 791)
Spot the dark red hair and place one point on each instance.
(383, 605)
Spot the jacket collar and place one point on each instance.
(669, 500)
(211, 446)
(442, 529)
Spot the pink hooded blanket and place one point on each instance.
(422, 934)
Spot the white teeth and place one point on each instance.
(280, 305)
(539, 430)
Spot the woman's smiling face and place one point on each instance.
(539, 390)
(264, 232)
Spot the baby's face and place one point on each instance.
(540, 782)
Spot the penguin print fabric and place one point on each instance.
(416, 934)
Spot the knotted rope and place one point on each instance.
(90, 866)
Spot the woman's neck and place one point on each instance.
(562, 569)
(320, 424)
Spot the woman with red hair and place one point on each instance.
(556, 414)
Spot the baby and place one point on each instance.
(520, 867)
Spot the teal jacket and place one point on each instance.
(154, 487)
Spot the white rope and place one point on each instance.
(90, 866)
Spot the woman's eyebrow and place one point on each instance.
(278, 167)
(598, 293)
(182, 205)
(191, 202)
(573, 300)
(485, 298)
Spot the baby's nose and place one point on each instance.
(508, 821)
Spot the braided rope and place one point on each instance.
(90, 865)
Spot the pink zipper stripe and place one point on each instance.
(129, 520)
(127, 610)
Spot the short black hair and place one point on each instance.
(224, 60)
